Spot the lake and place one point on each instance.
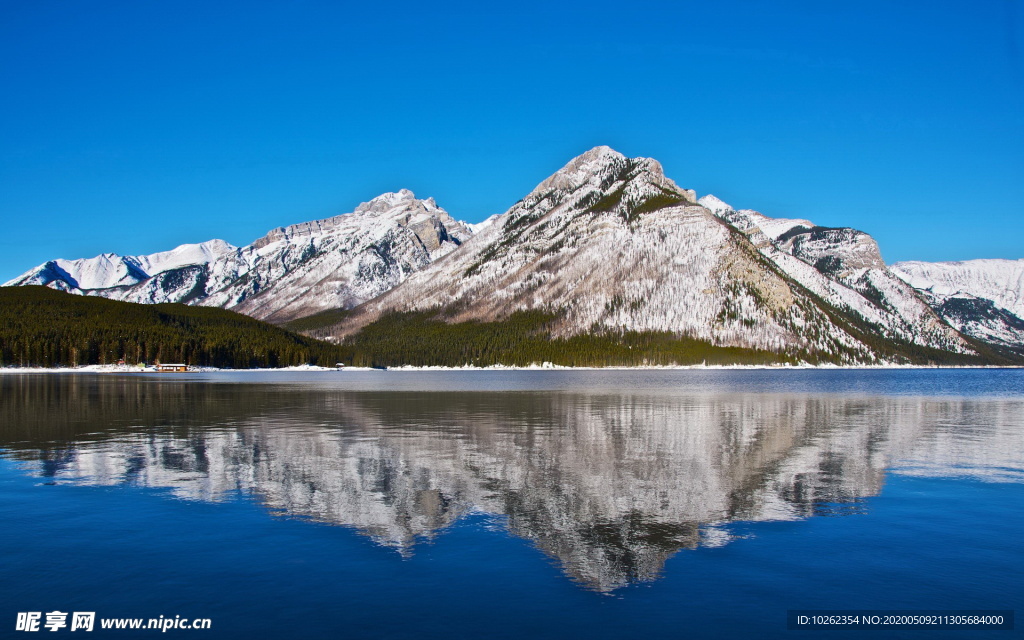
(512, 504)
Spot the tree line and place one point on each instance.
(46, 328)
(43, 327)
(524, 338)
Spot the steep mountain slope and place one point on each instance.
(845, 268)
(609, 244)
(292, 271)
(335, 263)
(982, 298)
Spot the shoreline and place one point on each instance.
(547, 366)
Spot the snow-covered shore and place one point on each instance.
(547, 366)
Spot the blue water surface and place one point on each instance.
(514, 504)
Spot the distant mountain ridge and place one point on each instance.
(290, 272)
(110, 270)
(981, 298)
(606, 245)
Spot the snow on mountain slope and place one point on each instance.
(1001, 281)
(335, 263)
(770, 228)
(610, 243)
(982, 319)
(111, 270)
(183, 256)
(184, 285)
(845, 268)
(290, 272)
(835, 251)
(982, 298)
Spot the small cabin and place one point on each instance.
(170, 368)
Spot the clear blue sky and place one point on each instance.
(135, 126)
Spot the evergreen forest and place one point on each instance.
(40, 327)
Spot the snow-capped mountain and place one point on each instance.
(981, 298)
(610, 244)
(606, 244)
(335, 263)
(290, 272)
(111, 270)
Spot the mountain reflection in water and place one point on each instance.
(608, 484)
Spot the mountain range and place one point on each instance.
(608, 246)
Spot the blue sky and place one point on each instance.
(135, 126)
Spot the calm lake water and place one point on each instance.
(540, 504)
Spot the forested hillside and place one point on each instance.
(524, 338)
(43, 327)
(423, 339)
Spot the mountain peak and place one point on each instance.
(602, 166)
(183, 255)
(598, 152)
(714, 204)
(390, 200)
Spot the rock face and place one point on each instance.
(981, 298)
(608, 243)
(843, 267)
(335, 263)
(290, 272)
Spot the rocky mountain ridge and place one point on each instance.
(607, 244)
(290, 272)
